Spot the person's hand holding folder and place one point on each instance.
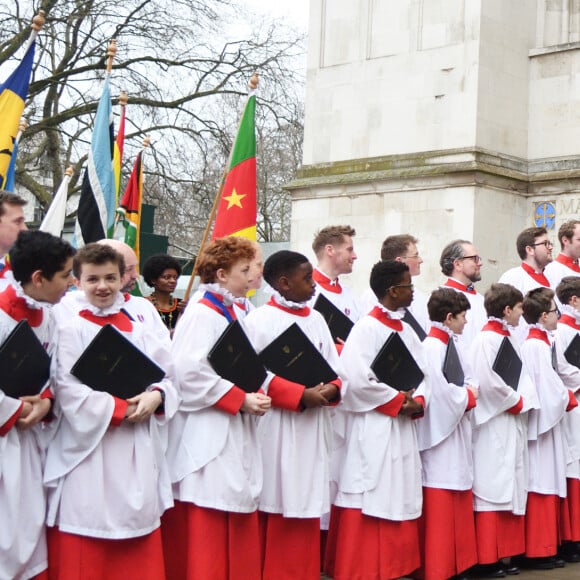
(33, 411)
(142, 406)
(256, 404)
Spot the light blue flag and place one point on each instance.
(96, 212)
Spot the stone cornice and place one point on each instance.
(458, 166)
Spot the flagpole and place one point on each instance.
(252, 86)
(37, 24)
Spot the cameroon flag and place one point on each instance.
(236, 213)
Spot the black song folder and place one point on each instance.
(338, 323)
(572, 353)
(414, 324)
(452, 369)
(508, 364)
(395, 365)
(293, 357)
(113, 364)
(24, 362)
(233, 358)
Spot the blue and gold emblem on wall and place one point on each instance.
(545, 214)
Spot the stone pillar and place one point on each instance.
(441, 118)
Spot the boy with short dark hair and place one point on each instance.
(499, 438)
(444, 435)
(108, 490)
(546, 444)
(295, 435)
(374, 529)
(41, 267)
(568, 293)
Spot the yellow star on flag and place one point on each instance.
(235, 199)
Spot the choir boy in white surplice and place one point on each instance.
(106, 493)
(213, 451)
(444, 434)
(296, 434)
(41, 274)
(374, 520)
(546, 437)
(568, 292)
(500, 453)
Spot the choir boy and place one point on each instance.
(41, 267)
(295, 436)
(568, 292)
(374, 530)
(546, 445)
(212, 532)
(106, 474)
(444, 434)
(500, 454)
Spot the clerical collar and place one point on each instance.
(326, 282)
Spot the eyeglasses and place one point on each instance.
(415, 256)
(553, 310)
(546, 243)
(476, 259)
(411, 286)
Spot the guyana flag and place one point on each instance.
(129, 213)
(236, 213)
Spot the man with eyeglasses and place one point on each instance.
(535, 250)
(403, 248)
(566, 262)
(461, 263)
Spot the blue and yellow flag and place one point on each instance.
(12, 97)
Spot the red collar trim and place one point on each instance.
(126, 296)
(451, 283)
(119, 320)
(569, 262)
(569, 321)
(497, 327)
(17, 308)
(304, 311)
(538, 277)
(385, 319)
(539, 334)
(439, 334)
(325, 282)
(6, 266)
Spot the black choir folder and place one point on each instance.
(395, 365)
(293, 357)
(24, 362)
(572, 353)
(452, 369)
(338, 323)
(234, 358)
(113, 364)
(508, 364)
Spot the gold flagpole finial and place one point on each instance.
(69, 171)
(253, 82)
(111, 52)
(23, 125)
(38, 21)
(146, 141)
(123, 99)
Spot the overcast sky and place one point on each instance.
(296, 10)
